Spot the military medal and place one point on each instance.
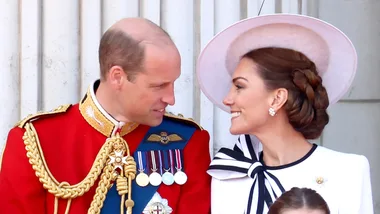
(167, 177)
(179, 177)
(154, 178)
(142, 179)
(157, 205)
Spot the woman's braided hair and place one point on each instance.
(307, 98)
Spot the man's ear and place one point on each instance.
(116, 76)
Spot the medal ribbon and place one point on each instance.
(141, 160)
(148, 163)
(178, 159)
(166, 161)
(154, 166)
(160, 161)
(171, 161)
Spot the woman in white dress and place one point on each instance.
(276, 75)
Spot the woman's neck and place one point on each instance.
(283, 145)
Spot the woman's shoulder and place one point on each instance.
(349, 173)
(342, 159)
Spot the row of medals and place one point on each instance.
(155, 178)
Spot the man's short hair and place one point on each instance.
(118, 48)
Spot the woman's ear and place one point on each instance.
(280, 96)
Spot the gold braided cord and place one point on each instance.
(56, 200)
(122, 185)
(109, 158)
(101, 190)
(126, 175)
(56, 205)
(130, 168)
(122, 189)
(130, 171)
(37, 160)
(124, 182)
(68, 206)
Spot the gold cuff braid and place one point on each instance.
(66, 191)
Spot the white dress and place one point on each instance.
(238, 179)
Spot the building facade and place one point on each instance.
(49, 57)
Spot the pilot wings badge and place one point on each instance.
(164, 138)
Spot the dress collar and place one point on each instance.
(98, 118)
(246, 160)
(242, 161)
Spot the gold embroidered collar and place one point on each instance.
(98, 118)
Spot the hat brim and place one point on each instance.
(329, 48)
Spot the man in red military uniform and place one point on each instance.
(117, 150)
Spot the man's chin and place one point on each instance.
(155, 122)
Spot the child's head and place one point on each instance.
(299, 201)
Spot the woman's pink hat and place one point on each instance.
(329, 48)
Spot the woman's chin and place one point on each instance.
(236, 130)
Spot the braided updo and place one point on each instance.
(307, 98)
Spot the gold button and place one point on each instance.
(319, 180)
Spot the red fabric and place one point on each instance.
(70, 146)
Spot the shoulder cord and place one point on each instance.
(66, 191)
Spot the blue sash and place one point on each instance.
(142, 195)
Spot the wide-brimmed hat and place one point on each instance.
(329, 48)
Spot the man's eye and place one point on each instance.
(159, 86)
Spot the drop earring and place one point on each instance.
(271, 112)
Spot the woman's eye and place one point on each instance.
(238, 86)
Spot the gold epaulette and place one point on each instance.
(38, 115)
(181, 118)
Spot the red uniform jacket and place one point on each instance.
(69, 144)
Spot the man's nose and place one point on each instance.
(169, 96)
